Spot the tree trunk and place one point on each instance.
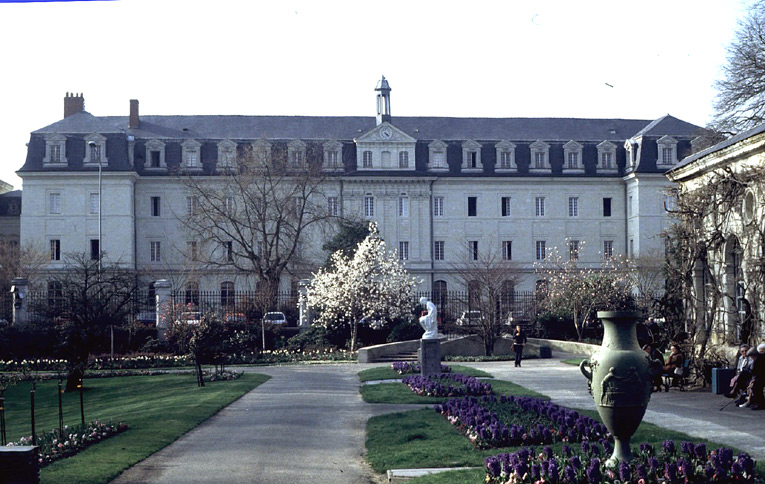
(200, 376)
(577, 326)
(73, 379)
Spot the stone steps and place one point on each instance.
(406, 356)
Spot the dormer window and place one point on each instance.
(667, 151)
(55, 150)
(226, 155)
(296, 153)
(630, 149)
(505, 156)
(403, 159)
(539, 156)
(191, 154)
(332, 156)
(260, 152)
(471, 156)
(606, 156)
(572, 156)
(95, 153)
(367, 159)
(437, 156)
(155, 155)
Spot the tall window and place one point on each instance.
(438, 206)
(539, 205)
(539, 159)
(54, 203)
(226, 293)
(367, 159)
(155, 206)
(439, 293)
(296, 158)
(192, 293)
(191, 159)
(573, 206)
(472, 206)
(332, 206)
(55, 294)
(403, 250)
(573, 250)
(95, 249)
(155, 159)
(438, 250)
(155, 251)
(191, 249)
(403, 159)
(229, 207)
(607, 207)
(94, 203)
(505, 206)
(472, 159)
(228, 247)
(192, 206)
(369, 206)
(95, 153)
(55, 154)
(507, 250)
(473, 249)
(403, 206)
(606, 160)
(573, 160)
(666, 156)
(55, 249)
(608, 249)
(506, 159)
(332, 159)
(540, 249)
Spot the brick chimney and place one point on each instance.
(73, 104)
(134, 119)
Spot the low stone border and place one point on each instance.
(398, 476)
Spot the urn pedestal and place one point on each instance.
(619, 377)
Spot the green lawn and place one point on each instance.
(387, 373)
(158, 410)
(400, 393)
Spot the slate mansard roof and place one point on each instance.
(345, 129)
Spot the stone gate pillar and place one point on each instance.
(20, 291)
(162, 290)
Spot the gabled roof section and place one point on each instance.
(668, 124)
(720, 146)
(83, 123)
(395, 135)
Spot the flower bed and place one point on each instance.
(54, 445)
(446, 385)
(404, 367)
(492, 421)
(691, 465)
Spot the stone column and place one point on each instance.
(430, 356)
(162, 290)
(306, 318)
(20, 291)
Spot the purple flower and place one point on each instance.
(687, 448)
(700, 450)
(547, 451)
(653, 463)
(668, 446)
(670, 471)
(625, 473)
(569, 474)
(493, 466)
(566, 450)
(536, 472)
(594, 475)
(576, 462)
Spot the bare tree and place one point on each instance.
(490, 278)
(740, 103)
(649, 275)
(257, 215)
(17, 261)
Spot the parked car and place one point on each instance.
(190, 317)
(275, 317)
(470, 318)
(236, 318)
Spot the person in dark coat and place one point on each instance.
(756, 400)
(519, 341)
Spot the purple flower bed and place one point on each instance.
(692, 465)
(404, 367)
(447, 385)
(492, 421)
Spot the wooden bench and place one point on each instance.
(673, 379)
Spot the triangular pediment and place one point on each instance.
(383, 133)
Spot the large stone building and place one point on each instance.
(441, 189)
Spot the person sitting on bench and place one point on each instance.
(739, 383)
(674, 363)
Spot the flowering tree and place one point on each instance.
(580, 290)
(372, 284)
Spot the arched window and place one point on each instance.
(439, 293)
(226, 293)
(55, 294)
(192, 293)
(474, 294)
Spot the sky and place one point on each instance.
(568, 58)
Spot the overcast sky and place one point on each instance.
(569, 58)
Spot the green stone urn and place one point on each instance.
(619, 376)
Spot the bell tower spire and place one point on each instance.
(383, 101)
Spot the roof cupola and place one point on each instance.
(383, 101)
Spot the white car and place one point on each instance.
(470, 318)
(275, 318)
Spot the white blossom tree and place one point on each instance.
(371, 285)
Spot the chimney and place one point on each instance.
(134, 119)
(73, 104)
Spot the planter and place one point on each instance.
(619, 376)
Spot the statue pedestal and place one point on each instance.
(430, 357)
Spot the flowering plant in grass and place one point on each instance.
(692, 465)
(55, 445)
(404, 367)
(446, 385)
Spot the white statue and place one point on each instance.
(429, 322)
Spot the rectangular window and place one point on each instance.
(666, 156)
(156, 211)
(539, 205)
(228, 203)
(438, 206)
(507, 250)
(297, 158)
(608, 249)
(94, 203)
(573, 250)
(332, 206)
(505, 206)
(54, 203)
(55, 249)
(573, 206)
(367, 159)
(438, 250)
(541, 252)
(539, 159)
(573, 160)
(332, 159)
(403, 206)
(369, 206)
(403, 159)
(439, 159)
(192, 206)
(155, 159)
(606, 160)
(473, 249)
(95, 249)
(191, 159)
(403, 250)
(228, 246)
(55, 153)
(155, 252)
(505, 159)
(606, 207)
(95, 153)
(472, 159)
(472, 206)
(191, 249)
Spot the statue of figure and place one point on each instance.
(429, 322)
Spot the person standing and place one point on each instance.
(519, 341)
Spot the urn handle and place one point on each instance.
(586, 369)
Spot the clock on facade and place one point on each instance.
(386, 132)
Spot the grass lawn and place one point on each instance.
(157, 409)
(400, 393)
(387, 373)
